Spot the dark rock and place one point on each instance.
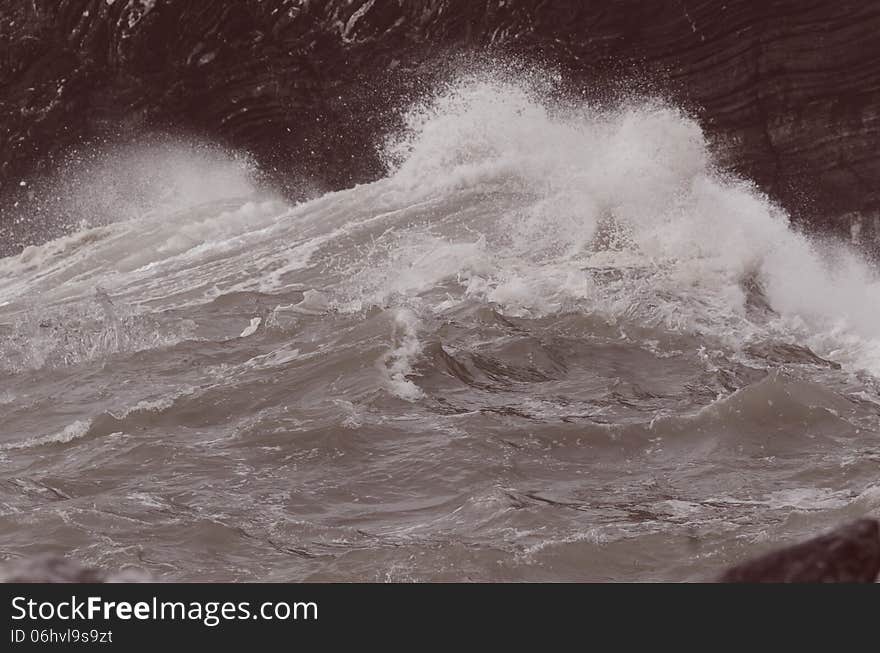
(789, 89)
(849, 554)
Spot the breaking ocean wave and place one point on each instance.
(555, 342)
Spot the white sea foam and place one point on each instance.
(567, 192)
(69, 433)
(399, 361)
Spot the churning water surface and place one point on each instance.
(554, 343)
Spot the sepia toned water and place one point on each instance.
(553, 344)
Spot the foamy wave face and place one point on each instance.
(618, 213)
(495, 196)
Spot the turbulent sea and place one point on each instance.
(553, 343)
